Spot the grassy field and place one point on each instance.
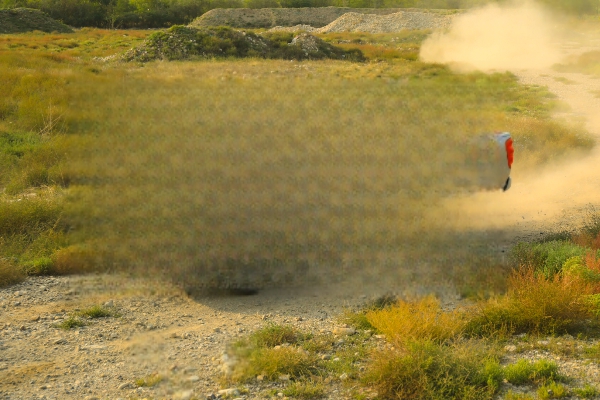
(245, 171)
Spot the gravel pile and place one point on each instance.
(355, 22)
(270, 17)
(371, 23)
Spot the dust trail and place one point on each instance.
(540, 200)
(517, 35)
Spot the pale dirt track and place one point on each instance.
(183, 338)
(558, 196)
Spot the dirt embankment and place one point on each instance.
(270, 17)
(18, 20)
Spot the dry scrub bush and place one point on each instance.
(423, 320)
(536, 304)
(74, 259)
(9, 273)
(422, 370)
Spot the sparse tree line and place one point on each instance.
(165, 13)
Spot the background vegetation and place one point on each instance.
(165, 13)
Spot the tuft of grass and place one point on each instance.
(422, 319)
(149, 380)
(305, 389)
(9, 272)
(427, 370)
(284, 360)
(70, 323)
(274, 335)
(526, 372)
(96, 311)
(587, 392)
(552, 390)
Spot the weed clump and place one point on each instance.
(427, 370)
(180, 42)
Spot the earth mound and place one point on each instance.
(180, 42)
(19, 20)
(270, 17)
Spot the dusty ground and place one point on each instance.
(182, 338)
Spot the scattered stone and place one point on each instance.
(344, 331)
(185, 395)
(60, 341)
(126, 385)
(194, 378)
(229, 392)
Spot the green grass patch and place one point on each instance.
(587, 392)
(97, 311)
(305, 389)
(70, 323)
(526, 372)
(273, 335)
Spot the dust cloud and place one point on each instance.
(497, 37)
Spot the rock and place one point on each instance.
(17, 303)
(109, 303)
(228, 392)
(510, 348)
(35, 318)
(344, 331)
(325, 357)
(260, 378)
(185, 395)
(59, 341)
(284, 377)
(126, 385)
(343, 376)
(194, 378)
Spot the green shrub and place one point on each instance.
(39, 266)
(547, 258)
